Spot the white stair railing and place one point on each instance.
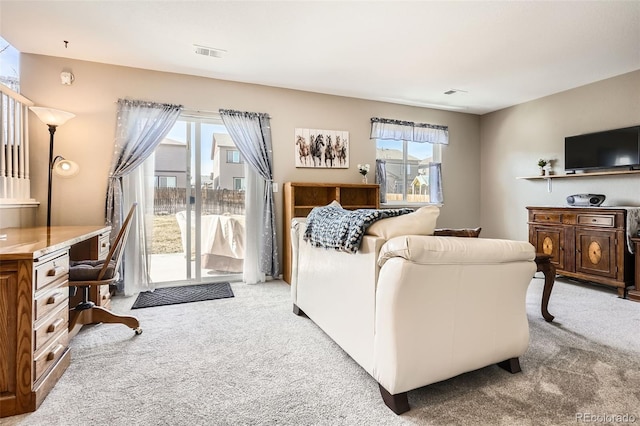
(14, 146)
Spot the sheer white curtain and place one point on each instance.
(251, 133)
(138, 188)
(254, 227)
(140, 127)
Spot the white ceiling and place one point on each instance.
(499, 53)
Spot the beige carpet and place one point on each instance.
(249, 361)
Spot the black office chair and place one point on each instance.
(86, 273)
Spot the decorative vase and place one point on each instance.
(364, 178)
(543, 172)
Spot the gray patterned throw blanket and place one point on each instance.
(340, 229)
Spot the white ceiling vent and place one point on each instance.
(452, 91)
(209, 51)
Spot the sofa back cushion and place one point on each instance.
(420, 222)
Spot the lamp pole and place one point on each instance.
(52, 118)
(52, 130)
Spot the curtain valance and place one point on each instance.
(245, 114)
(384, 128)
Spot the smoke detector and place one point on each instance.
(209, 51)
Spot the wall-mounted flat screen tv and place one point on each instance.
(610, 149)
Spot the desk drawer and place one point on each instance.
(105, 295)
(50, 355)
(48, 301)
(51, 327)
(103, 246)
(608, 221)
(52, 270)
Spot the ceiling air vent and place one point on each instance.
(209, 51)
(452, 91)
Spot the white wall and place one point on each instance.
(513, 140)
(88, 138)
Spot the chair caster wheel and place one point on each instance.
(138, 331)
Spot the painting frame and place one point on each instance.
(321, 149)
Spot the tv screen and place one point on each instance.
(603, 150)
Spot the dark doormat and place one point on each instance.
(182, 294)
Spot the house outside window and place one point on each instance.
(166, 181)
(238, 184)
(407, 169)
(233, 156)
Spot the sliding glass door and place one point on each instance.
(198, 232)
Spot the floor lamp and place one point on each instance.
(54, 118)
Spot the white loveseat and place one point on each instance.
(417, 309)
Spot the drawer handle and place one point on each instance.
(55, 271)
(54, 326)
(593, 220)
(53, 298)
(54, 353)
(104, 245)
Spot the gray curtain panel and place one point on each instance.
(251, 132)
(140, 127)
(381, 179)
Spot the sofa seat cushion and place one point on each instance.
(455, 250)
(88, 270)
(420, 222)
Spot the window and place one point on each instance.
(407, 169)
(233, 156)
(408, 155)
(166, 182)
(238, 184)
(9, 66)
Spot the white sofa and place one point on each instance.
(415, 309)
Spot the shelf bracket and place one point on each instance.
(549, 189)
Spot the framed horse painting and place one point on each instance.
(326, 149)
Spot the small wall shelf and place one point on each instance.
(576, 175)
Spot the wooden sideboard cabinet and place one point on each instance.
(301, 197)
(587, 243)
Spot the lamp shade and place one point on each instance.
(65, 168)
(52, 117)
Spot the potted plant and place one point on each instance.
(542, 163)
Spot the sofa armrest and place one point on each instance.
(422, 249)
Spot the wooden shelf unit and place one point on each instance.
(301, 197)
(590, 174)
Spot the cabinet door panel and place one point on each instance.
(549, 240)
(596, 252)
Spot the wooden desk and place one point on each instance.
(34, 311)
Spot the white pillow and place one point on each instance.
(420, 222)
